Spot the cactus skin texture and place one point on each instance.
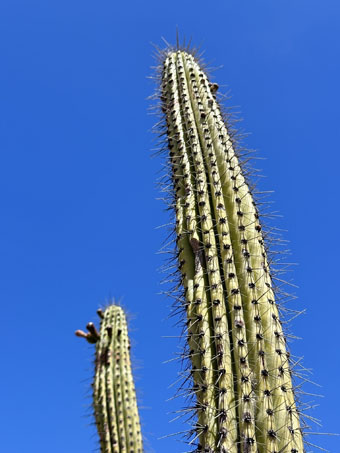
(239, 362)
(114, 396)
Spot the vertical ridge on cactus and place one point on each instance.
(114, 395)
(240, 365)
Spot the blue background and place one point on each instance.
(78, 194)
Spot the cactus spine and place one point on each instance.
(240, 365)
(114, 396)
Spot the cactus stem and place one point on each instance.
(239, 363)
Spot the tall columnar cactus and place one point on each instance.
(114, 396)
(240, 366)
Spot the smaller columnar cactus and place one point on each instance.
(114, 395)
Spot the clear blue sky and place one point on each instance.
(78, 196)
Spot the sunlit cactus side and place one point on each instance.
(239, 361)
(114, 395)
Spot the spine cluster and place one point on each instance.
(240, 366)
(114, 396)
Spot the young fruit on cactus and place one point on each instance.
(114, 396)
(240, 366)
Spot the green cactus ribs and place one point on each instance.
(114, 396)
(239, 362)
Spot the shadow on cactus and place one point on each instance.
(240, 371)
